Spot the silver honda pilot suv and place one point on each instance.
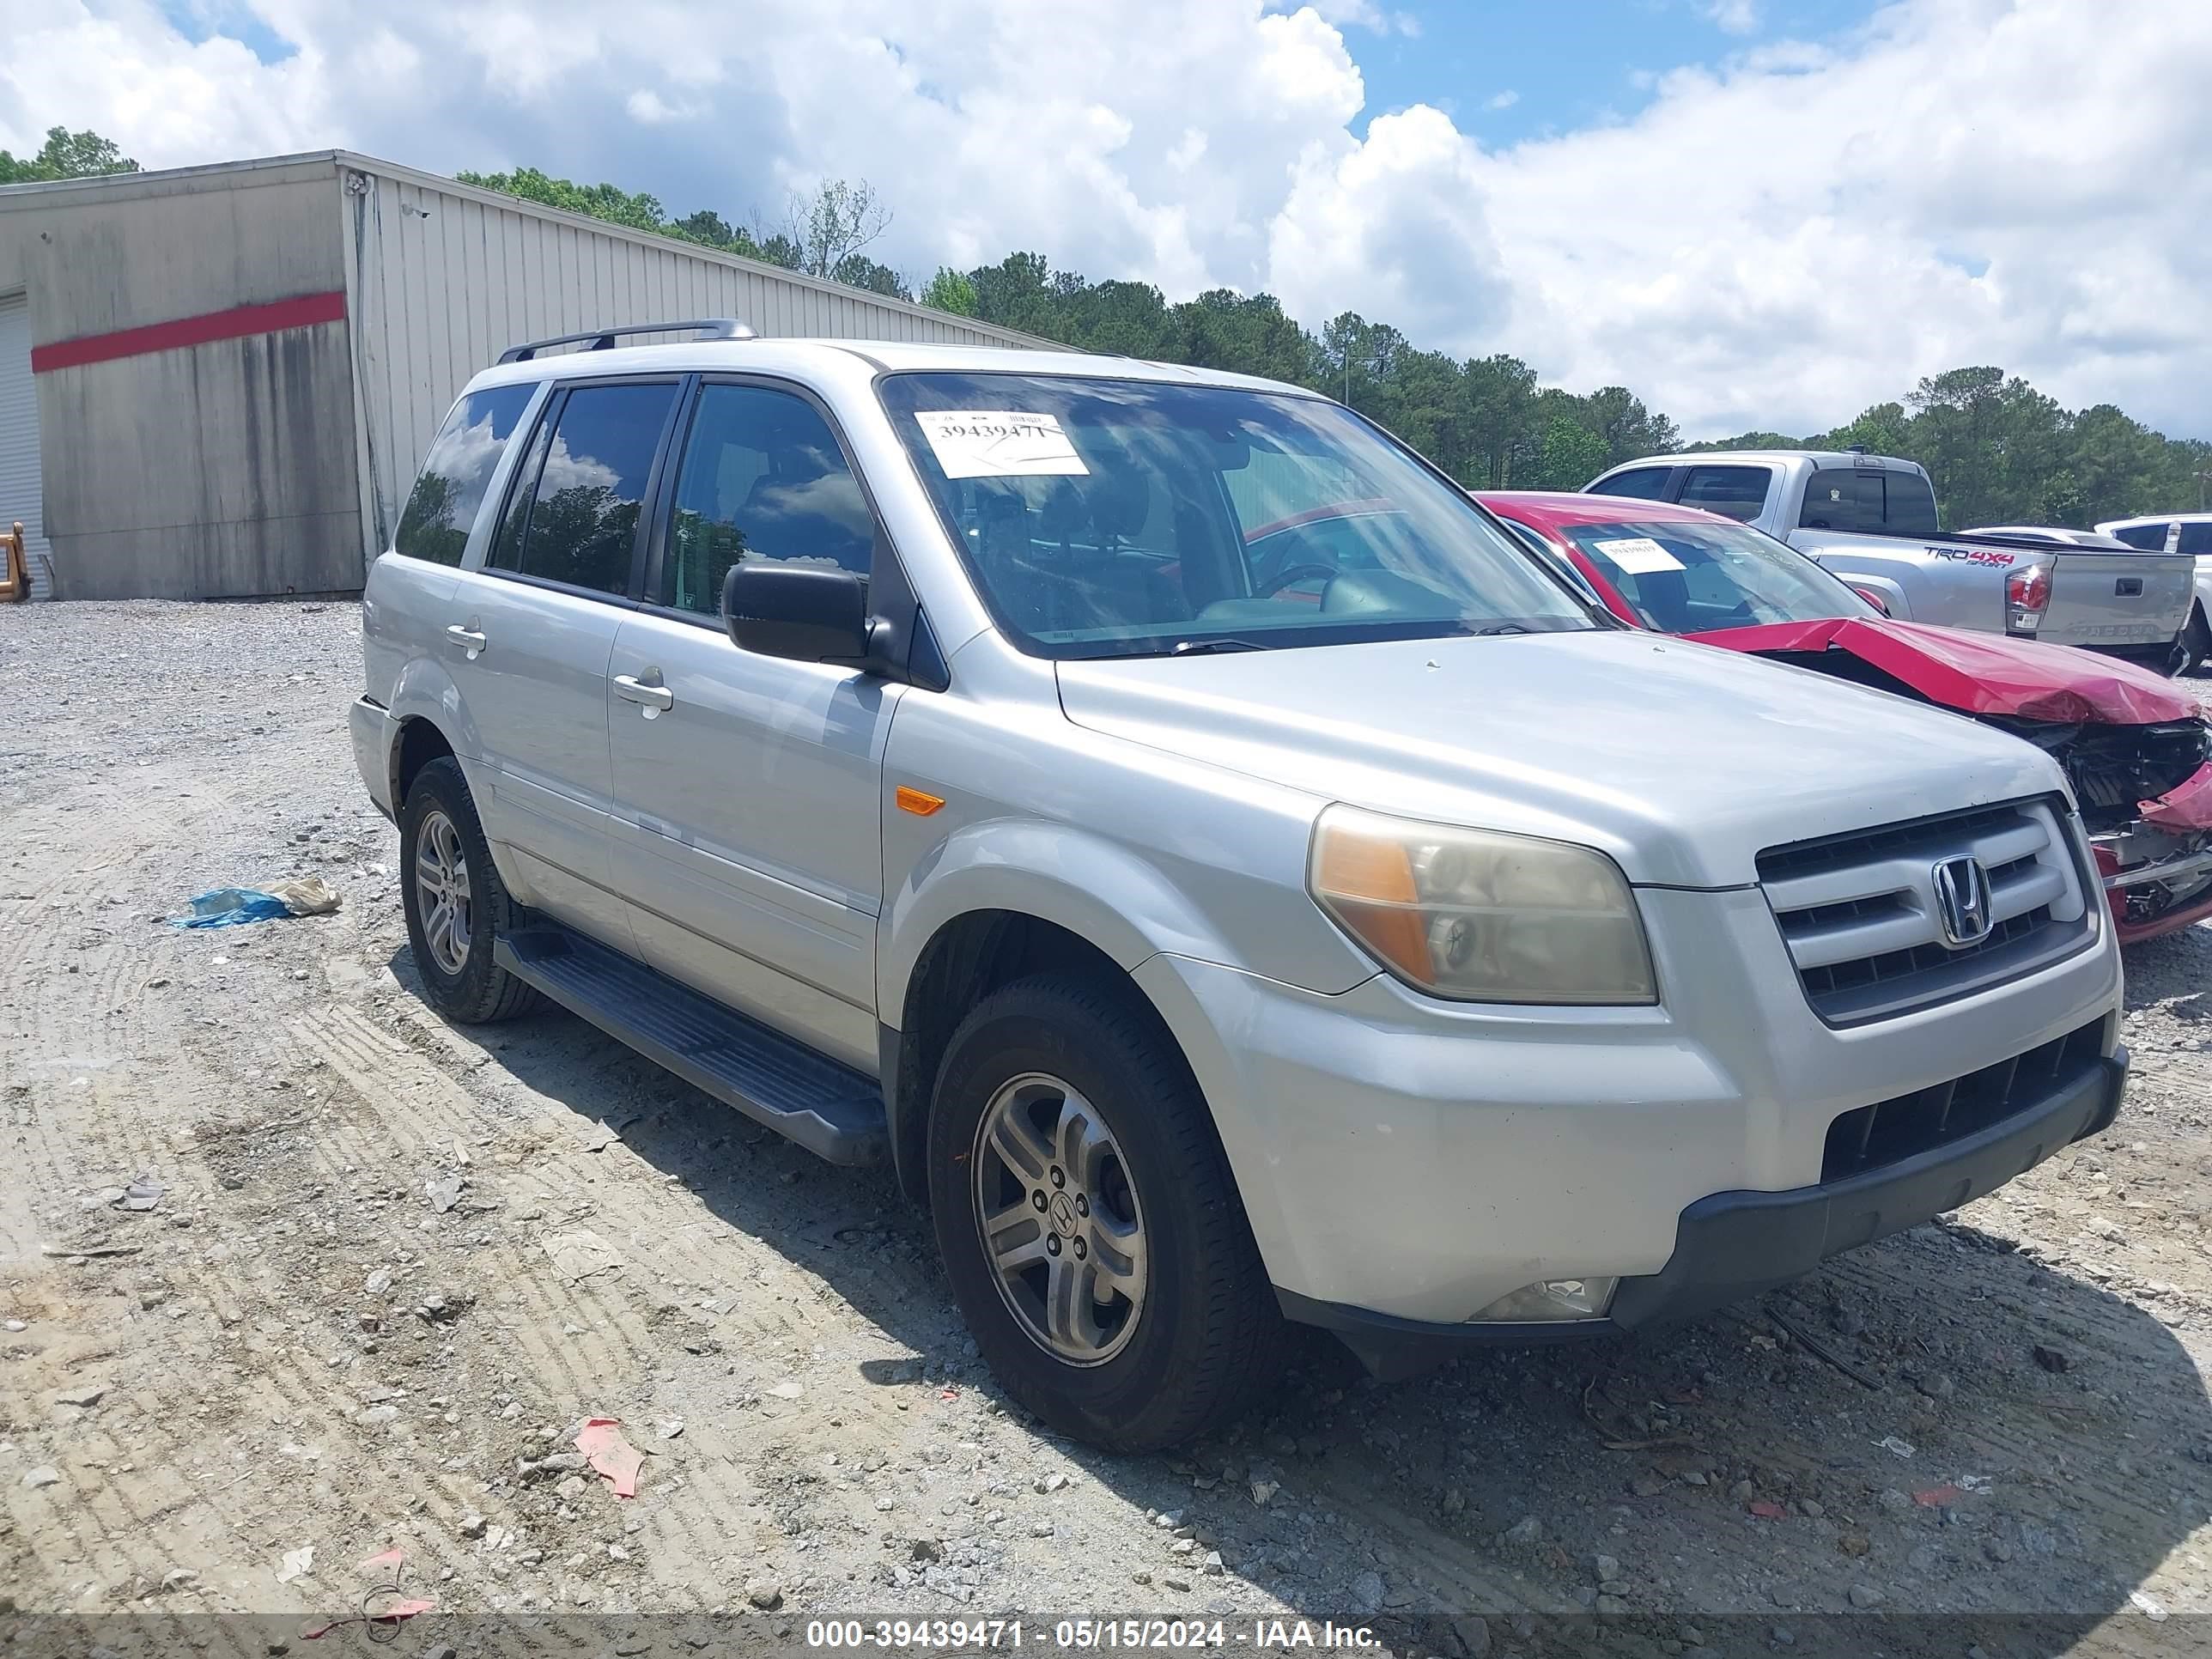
(1230, 880)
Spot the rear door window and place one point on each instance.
(763, 478)
(1647, 483)
(442, 508)
(2195, 538)
(575, 521)
(1735, 492)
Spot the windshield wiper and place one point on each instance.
(1199, 647)
(1501, 627)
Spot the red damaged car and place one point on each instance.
(2134, 745)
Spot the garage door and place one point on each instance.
(19, 441)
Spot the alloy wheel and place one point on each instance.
(441, 888)
(1062, 1227)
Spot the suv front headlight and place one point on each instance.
(1481, 916)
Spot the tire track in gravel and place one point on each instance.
(405, 1096)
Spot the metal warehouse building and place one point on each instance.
(218, 382)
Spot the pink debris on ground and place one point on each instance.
(602, 1444)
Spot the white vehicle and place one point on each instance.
(2178, 532)
(1871, 519)
(1194, 845)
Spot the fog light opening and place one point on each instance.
(1554, 1299)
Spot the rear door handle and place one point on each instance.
(654, 698)
(467, 637)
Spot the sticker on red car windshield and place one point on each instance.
(1638, 555)
(1000, 443)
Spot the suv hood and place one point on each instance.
(1680, 762)
(1981, 673)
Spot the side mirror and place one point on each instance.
(808, 613)
(1872, 596)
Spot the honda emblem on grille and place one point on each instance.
(1962, 902)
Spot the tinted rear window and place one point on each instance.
(440, 510)
(1908, 502)
(2195, 538)
(1831, 501)
(581, 524)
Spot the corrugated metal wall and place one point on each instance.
(181, 459)
(442, 278)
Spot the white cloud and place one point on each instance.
(649, 108)
(1732, 16)
(1505, 100)
(1776, 241)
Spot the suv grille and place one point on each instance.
(1859, 912)
(1890, 1130)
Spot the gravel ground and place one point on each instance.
(392, 1265)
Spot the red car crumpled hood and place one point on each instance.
(1981, 673)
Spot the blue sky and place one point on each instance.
(202, 21)
(1755, 214)
(1509, 70)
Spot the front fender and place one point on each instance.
(1093, 887)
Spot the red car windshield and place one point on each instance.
(1689, 578)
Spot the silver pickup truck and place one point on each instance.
(1224, 878)
(1871, 519)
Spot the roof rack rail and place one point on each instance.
(602, 339)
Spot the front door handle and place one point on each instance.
(655, 698)
(468, 638)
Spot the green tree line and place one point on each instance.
(1999, 450)
(65, 154)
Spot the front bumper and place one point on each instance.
(1733, 1245)
(2160, 894)
(1421, 1160)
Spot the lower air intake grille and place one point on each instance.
(1890, 1130)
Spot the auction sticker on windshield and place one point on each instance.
(1638, 555)
(1000, 443)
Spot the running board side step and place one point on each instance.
(832, 1110)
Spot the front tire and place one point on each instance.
(455, 904)
(1089, 1223)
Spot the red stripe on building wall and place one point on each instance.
(302, 311)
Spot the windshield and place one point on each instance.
(1701, 577)
(1106, 517)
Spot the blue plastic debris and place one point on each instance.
(234, 907)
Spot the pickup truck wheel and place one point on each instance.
(1091, 1232)
(454, 903)
(2196, 642)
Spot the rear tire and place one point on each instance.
(1152, 1320)
(455, 903)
